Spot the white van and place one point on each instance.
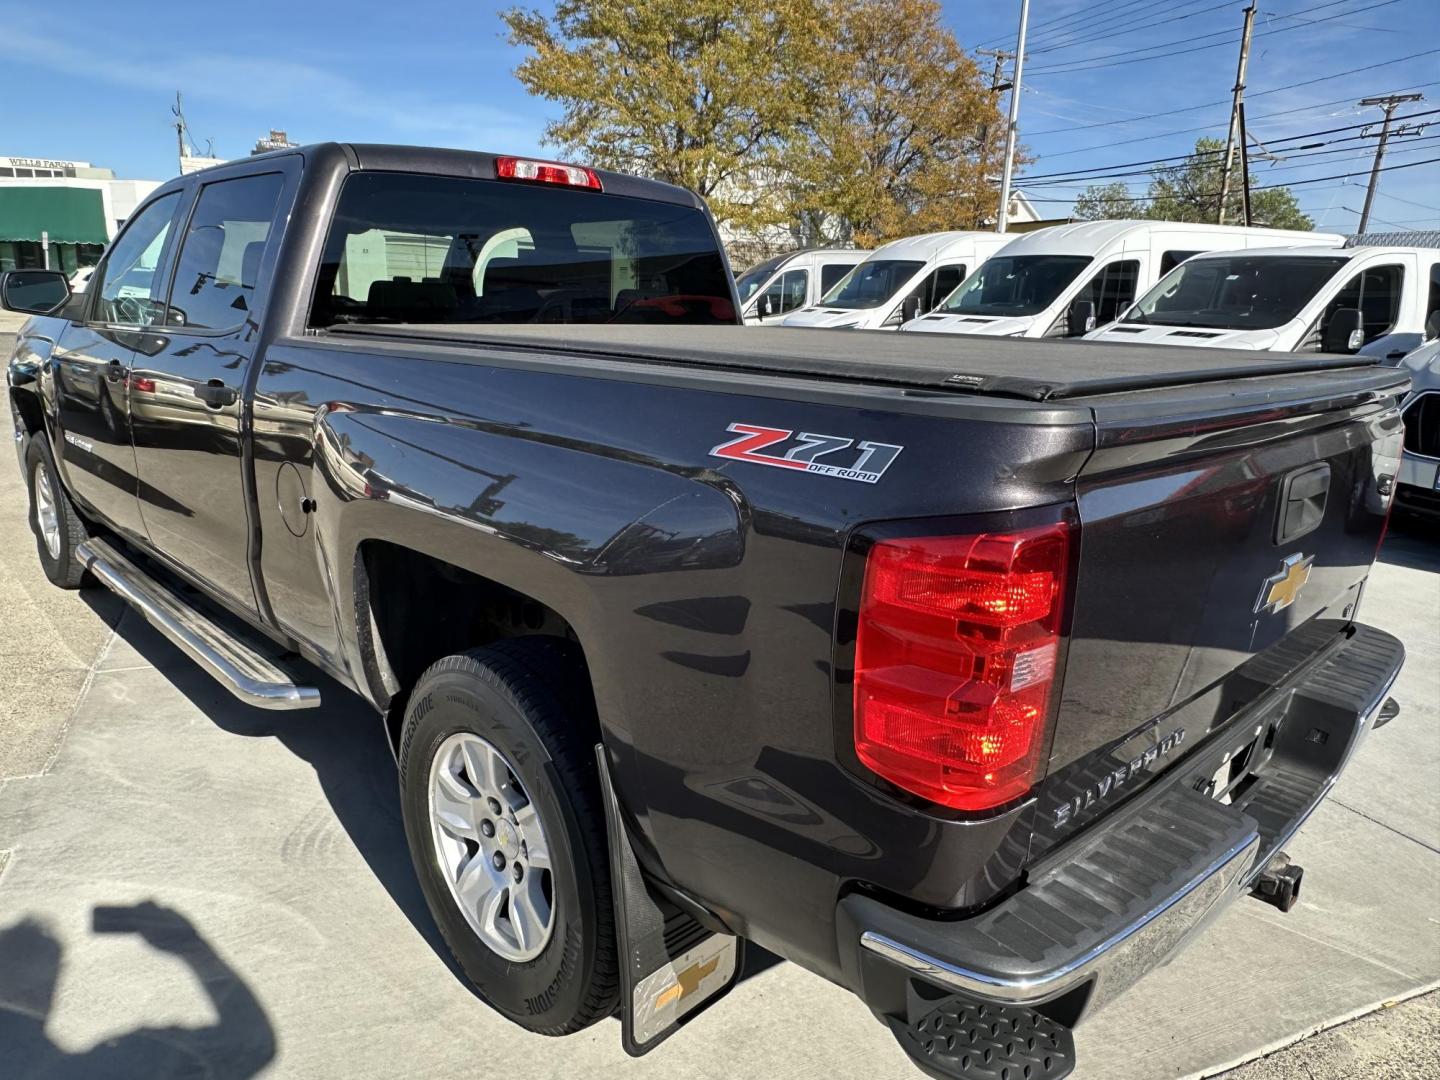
(900, 279)
(1418, 484)
(1380, 301)
(1067, 279)
(786, 283)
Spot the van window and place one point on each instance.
(1172, 259)
(1422, 424)
(1432, 304)
(751, 280)
(1376, 292)
(937, 285)
(1112, 290)
(830, 273)
(219, 262)
(408, 248)
(1236, 292)
(1016, 285)
(787, 293)
(871, 283)
(129, 287)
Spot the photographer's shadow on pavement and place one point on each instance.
(236, 1046)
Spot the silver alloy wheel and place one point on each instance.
(490, 847)
(45, 511)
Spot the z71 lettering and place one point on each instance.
(869, 465)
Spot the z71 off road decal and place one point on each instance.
(867, 461)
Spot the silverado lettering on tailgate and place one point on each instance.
(753, 441)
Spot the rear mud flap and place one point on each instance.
(671, 968)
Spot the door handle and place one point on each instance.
(216, 394)
(1396, 354)
(115, 371)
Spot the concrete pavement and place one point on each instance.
(191, 887)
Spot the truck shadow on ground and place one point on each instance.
(237, 1046)
(344, 742)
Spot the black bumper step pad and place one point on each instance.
(954, 1038)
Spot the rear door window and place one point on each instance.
(406, 248)
(219, 263)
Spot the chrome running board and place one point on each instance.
(247, 674)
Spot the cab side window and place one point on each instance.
(937, 285)
(1376, 292)
(219, 264)
(785, 294)
(1112, 290)
(129, 286)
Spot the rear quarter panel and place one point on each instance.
(703, 591)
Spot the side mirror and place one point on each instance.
(909, 309)
(1344, 333)
(1432, 325)
(1080, 319)
(33, 292)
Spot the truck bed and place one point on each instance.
(1022, 368)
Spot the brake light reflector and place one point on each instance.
(955, 661)
(546, 172)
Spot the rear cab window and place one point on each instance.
(426, 249)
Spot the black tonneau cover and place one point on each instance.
(1037, 370)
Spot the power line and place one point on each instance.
(1209, 153)
(1369, 68)
(1119, 20)
(1080, 14)
(1129, 57)
(1259, 187)
(1413, 146)
(1214, 104)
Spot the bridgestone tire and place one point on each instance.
(63, 568)
(528, 697)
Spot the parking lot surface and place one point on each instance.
(191, 887)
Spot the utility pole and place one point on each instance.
(1244, 168)
(1388, 102)
(179, 132)
(1237, 112)
(997, 85)
(1002, 216)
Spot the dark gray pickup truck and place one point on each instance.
(973, 675)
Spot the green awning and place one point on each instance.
(69, 215)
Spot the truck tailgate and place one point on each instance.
(1226, 535)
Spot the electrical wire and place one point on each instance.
(1262, 187)
(1129, 57)
(1046, 46)
(1078, 173)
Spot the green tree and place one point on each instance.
(831, 120)
(904, 129)
(700, 93)
(1102, 201)
(1190, 191)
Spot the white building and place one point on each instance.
(60, 213)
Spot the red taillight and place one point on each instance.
(142, 384)
(546, 172)
(956, 659)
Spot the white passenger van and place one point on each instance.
(786, 283)
(899, 280)
(1067, 279)
(1377, 300)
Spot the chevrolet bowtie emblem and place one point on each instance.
(1282, 588)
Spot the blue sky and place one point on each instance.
(95, 81)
